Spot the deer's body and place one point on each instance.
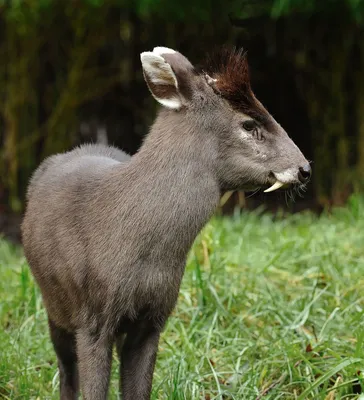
(107, 235)
(133, 217)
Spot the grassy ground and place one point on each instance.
(270, 308)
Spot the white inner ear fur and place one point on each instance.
(159, 72)
(173, 103)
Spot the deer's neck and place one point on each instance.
(179, 188)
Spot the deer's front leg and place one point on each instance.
(94, 353)
(137, 359)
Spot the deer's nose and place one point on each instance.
(304, 173)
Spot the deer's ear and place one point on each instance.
(161, 78)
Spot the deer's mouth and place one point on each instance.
(283, 179)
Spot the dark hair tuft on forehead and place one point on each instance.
(230, 64)
(230, 68)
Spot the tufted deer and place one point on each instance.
(106, 235)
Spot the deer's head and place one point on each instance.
(251, 149)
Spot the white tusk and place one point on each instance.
(275, 186)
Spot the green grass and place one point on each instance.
(270, 307)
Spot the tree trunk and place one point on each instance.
(19, 109)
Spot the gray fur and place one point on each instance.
(107, 236)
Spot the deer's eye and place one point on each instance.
(249, 125)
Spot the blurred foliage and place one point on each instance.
(31, 10)
(62, 60)
(286, 7)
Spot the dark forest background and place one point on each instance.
(70, 72)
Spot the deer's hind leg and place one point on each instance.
(138, 356)
(64, 344)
